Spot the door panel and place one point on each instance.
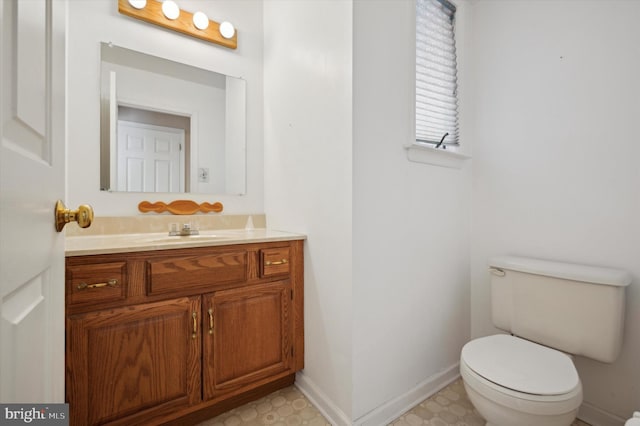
(250, 338)
(32, 123)
(131, 359)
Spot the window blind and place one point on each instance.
(436, 73)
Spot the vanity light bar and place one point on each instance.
(152, 12)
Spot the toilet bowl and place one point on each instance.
(512, 381)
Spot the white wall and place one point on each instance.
(387, 304)
(410, 227)
(95, 21)
(556, 152)
(308, 184)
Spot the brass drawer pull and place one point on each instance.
(195, 325)
(110, 283)
(210, 320)
(277, 262)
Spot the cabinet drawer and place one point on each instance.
(96, 283)
(274, 261)
(198, 272)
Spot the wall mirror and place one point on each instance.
(169, 127)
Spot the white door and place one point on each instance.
(32, 130)
(150, 158)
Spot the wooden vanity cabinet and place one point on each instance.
(184, 335)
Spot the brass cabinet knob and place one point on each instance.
(83, 215)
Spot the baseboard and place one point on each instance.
(598, 417)
(391, 410)
(384, 414)
(319, 399)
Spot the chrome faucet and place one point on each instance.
(184, 231)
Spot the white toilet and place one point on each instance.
(634, 421)
(551, 309)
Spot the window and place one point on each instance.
(436, 74)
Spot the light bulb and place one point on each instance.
(138, 4)
(170, 9)
(200, 20)
(227, 30)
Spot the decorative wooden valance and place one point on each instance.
(180, 207)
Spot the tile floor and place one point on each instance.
(289, 407)
(450, 406)
(286, 407)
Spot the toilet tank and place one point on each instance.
(577, 309)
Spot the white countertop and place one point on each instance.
(121, 243)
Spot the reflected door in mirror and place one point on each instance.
(150, 158)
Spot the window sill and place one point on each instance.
(437, 157)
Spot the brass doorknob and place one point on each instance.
(84, 215)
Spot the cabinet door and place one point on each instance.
(247, 336)
(129, 364)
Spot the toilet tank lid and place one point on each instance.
(569, 271)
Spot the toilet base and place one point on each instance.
(499, 415)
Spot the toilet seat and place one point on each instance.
(521, 365)
(503, 369)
